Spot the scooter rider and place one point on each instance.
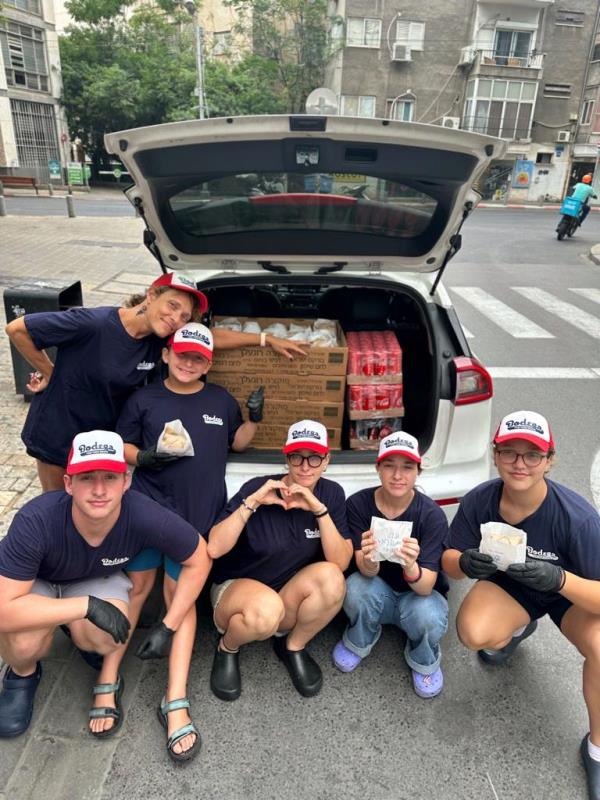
(582, 191)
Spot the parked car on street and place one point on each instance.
(343, 218)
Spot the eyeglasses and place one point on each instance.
(296, 460)
(530, 459)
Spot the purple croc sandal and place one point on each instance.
(428, 686)
(344, 659)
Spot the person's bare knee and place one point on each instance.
(330, 583)
(87, 636)
(24, 648)
(263, 615)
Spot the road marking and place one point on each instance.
(500, 314)
(467, 332)
(595, 479)
(566, 311)
(589, 294)
(546, 373)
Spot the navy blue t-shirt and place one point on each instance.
(275, 544)
(97, 366)
(564, 530)
(43, 542)
(430, 528)
(194, 486)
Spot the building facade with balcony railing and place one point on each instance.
(508, 68)
(33, 130)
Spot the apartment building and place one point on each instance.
(33, 129)
(586, 149)
(512, 69)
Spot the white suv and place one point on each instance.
(346, 218)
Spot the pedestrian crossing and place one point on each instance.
(520, 326)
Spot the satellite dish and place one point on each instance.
(322, 101)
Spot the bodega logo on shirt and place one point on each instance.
(210, 419)
(114, 562)
(312, 533)
(145, 365)
(542, 555)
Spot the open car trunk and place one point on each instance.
(358, 304)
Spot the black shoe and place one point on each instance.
(93, 660)
(592, 769)
(500, 656)
(225, 678)
(16, 701)
(304, 671)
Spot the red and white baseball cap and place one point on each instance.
(96, 450)
(526, 425)
(399, 444)
(193, 337)
(176, 281)
(307, 435)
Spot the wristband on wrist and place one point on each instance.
(263, 339)
(322, 513)
(247, 507)
(413, 580)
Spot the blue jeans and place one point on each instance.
(371, 603)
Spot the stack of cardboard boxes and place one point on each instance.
(303, 388)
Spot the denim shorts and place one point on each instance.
(150, 558)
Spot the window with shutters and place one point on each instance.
(586, 112)
(410, 33)
(29, 6)
(24, 56)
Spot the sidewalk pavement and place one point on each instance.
(507, 733)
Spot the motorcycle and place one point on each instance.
(571, 211)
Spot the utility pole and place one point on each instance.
(192, 8)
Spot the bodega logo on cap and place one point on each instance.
(94, 450)
(528, 425)
(399, 444)
(193, 337)
(308, 434)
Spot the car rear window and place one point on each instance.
(300, 201)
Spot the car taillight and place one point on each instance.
(473, 381)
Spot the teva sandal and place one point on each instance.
(174, 705)
(345, 660)
(500, 656)
(104, 712)
(428, 686)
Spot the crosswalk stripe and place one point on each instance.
(589, 294)
(566, 311)
(511, 321)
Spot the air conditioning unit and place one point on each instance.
(401, 52)
(563, 136)
(467, 56)
(451, 122)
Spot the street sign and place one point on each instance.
(75, 173)
(54, 169)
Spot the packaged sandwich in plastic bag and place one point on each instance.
(229, 324)
(505, 544)
(175, 440)
(251, 326)
(389, 536)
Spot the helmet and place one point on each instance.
(587, 178)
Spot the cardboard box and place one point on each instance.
(282, 412)
(282, 387)
(273, 437)
(318, 360)
(389, 412)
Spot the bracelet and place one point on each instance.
(263, 339)
(323, 513)
(413, 580)
(247, 507)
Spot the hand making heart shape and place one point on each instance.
(278, 493)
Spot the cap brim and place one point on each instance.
(92, 466)
(528, 437)
(317, 448)
(405, 453)
(192, 347)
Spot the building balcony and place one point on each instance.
(521, 3)
(497, 65)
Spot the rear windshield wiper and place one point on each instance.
(278, 268)
(337, 267)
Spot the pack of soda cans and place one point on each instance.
(374, 398)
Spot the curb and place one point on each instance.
(595, 254)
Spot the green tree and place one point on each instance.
(292, 36)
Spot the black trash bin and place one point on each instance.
(28, 298)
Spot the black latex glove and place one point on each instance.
(150, 459)
(157, 643)
(255, 404)
(108, 618)
(476, 565)
(541, 575)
